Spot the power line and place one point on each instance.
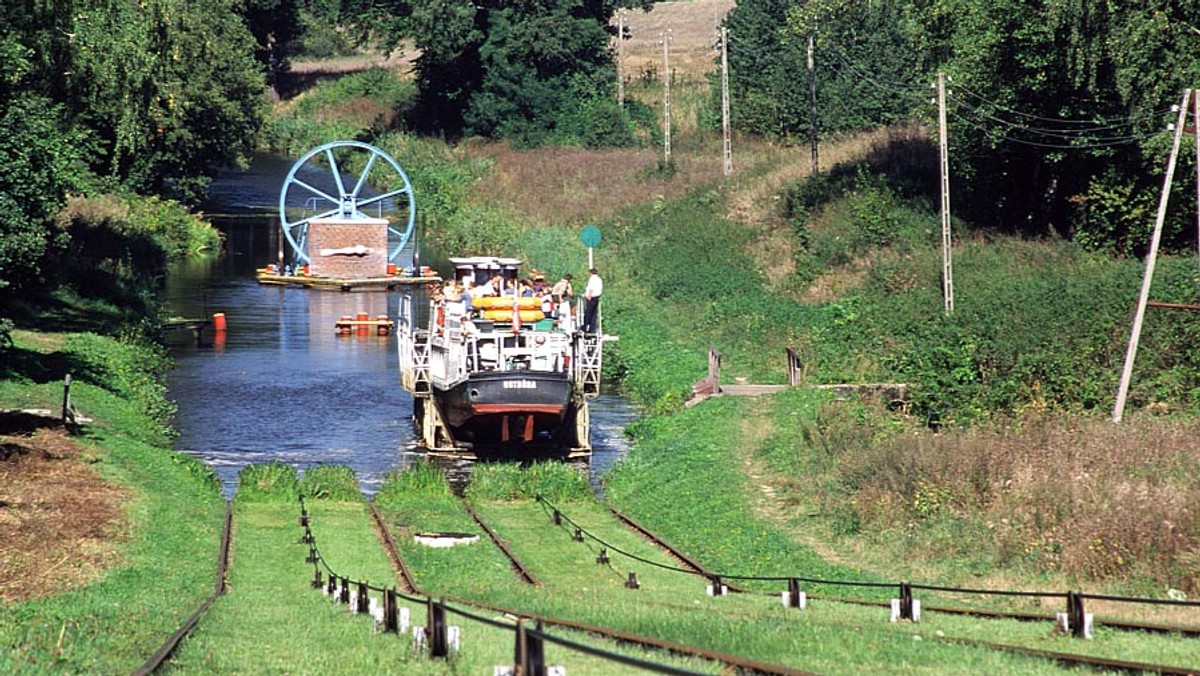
(1059, 120)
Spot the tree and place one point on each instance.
(39, 164)
(866, 65)
(274, 25)
(166, 91)
(499, 68)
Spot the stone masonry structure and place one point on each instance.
(348, 248)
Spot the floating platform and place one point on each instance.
(386, 283)
(363, 325)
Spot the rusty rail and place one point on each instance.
(523, 572)
(408, 582)
(740, 664)
(1072, 659)
(160, 656)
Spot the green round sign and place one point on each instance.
(590, 236)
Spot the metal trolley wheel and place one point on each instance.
(316, 188)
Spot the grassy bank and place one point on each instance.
(828, 637)
(167, 533)
(272, 618)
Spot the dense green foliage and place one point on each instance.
(530, 72)
(357, 106)
(859, 48)
(165, 92)
(1056, 111)
(37, 168)
(116, 97)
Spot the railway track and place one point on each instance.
(694, 567)
(1063, 658)
(522, 572)
(743, 665)
(161, 655)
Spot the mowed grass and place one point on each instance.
(669, 605)
(418, 501)
(167, 550)
(272, 620)
(691, 490)
(675, 606)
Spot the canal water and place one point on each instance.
(281, 385)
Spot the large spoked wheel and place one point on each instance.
(346, 179)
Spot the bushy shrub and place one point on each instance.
(130, 366)
(1043, 494)
(360, 106)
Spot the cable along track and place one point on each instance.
(739, 663)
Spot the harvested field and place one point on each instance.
(59, 520)
(693, 26)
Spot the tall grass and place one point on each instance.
(553, 481)
(1077, 498)
(268, 482)
(331, 482)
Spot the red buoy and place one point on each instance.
(219, 322)
(363, 328)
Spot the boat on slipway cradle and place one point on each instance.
(506, 375)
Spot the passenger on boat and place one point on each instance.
(591, 295)
(465, 294)
(485, 289)
(562, 289)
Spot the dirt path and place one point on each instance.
(59, 521)
(774, 499)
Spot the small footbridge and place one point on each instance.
(894, 394)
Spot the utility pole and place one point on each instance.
(1151, 258)
(666, 40)
(727, 151)
(812, 106)
(944, 147)
(621, 58)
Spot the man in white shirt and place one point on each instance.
(591, 308)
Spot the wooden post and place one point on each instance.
(793, 368)
(67, 415)
(1151, 257)
(714, 365)
(621, 58)
(812, 105)
(666, 41)
(1195, 130)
